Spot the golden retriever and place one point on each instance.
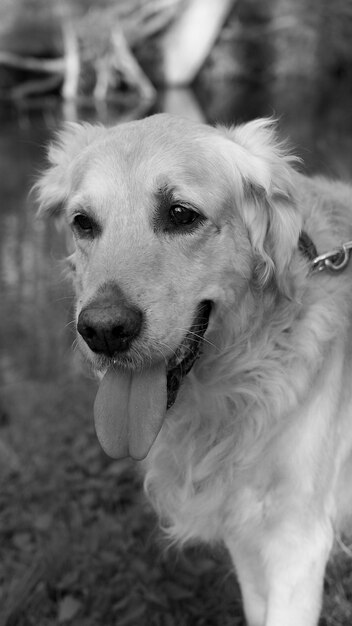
(224, 353)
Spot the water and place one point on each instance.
(36, 308)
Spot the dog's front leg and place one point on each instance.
(296, 562)
(251, 578)
(281, 572)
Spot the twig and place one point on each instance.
(32, 63)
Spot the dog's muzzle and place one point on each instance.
(131, 405)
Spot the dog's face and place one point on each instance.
(172, 221)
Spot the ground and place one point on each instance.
(80, 542)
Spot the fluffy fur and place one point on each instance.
(256, 451)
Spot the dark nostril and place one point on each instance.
(119, 332)
(88, 331)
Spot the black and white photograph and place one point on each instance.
(175, 312)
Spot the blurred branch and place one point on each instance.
(98, 59)
(32, 64)
(97, 56)
(72, 61)
(188, 42)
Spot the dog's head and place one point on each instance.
(172, 222)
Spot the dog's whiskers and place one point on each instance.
(62, 299)
(70, 324)
(158, 345)
(75, 346)
(198, 337)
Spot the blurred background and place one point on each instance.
(78, 542)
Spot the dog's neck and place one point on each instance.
(306, 246)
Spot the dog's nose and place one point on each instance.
(111, 328)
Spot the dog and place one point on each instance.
(214, 300)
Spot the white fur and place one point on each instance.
(256, 451)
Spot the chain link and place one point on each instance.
(335, 260)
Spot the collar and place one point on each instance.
(335, 260)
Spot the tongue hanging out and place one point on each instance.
(129, 410)
(131, 406)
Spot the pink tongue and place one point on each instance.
(129, 410)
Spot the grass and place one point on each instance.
(79, 542)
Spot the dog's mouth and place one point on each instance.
(131, 406)
(187, 353)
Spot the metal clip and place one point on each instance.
(335, 260)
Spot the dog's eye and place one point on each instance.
(183, 216)
(83, 225)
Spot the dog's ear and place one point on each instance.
(57, 183)
(267, 204)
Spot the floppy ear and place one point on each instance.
(268, 207)
(58, 181)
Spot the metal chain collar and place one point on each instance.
(336, 260)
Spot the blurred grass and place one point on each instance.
(75, 526)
